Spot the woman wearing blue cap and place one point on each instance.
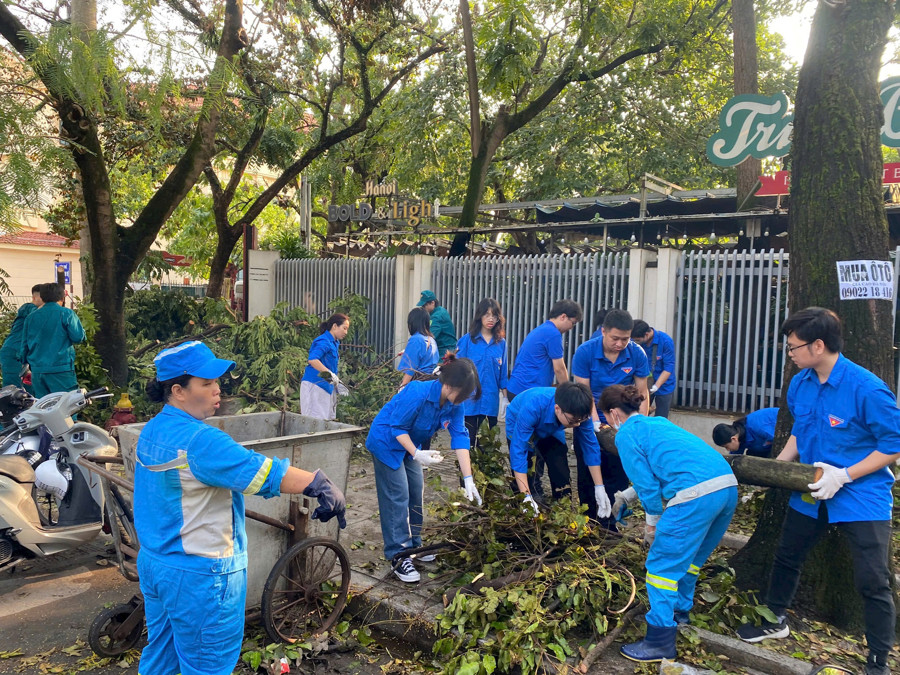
(320, 379)
(189, 485)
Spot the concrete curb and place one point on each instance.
(750, 656)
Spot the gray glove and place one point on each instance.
(622, 499)
(331, 499)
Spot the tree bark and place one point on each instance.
(746, 81)
(836, 213)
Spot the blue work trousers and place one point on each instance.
(50, 383)
(686, 535)
(195, 622)
(400, 495)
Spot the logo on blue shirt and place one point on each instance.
(835, 421)
(627, 370)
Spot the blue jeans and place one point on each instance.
(400, 494)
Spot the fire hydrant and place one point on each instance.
(122, 412)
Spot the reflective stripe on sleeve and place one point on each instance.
(662, 583)
(260, 478)
(693, 569)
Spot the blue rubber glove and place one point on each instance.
(331, 500)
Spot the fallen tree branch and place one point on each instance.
(208, 332)
(597, 651)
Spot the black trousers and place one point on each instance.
(869, 544)
(614, 480)
(555, 455)
(473, 424)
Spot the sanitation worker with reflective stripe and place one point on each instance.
(189, 486)
(667, 464)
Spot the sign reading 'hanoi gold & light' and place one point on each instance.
(411, 212)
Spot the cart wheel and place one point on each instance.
(306, 590)
(101, 635)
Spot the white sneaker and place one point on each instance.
(407, 572)
(428, 557)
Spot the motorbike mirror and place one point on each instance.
(828, 669)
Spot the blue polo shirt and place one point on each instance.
(325, 349)
(415, 411)
(590, 363)
(661, 458)
(532, 414)
(420, 355)
(841, 422)
(665, 360)
(759, 432)
(534, 360)
(490, 359)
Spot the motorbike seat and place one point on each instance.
(16, 468)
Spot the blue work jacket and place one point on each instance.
(191, 516)
(665, 360)
(490, 359)
(420, 355)
(590, 363)
(661, 458)
(48, 339)
(841, 422)
(534, 360)
(325, 349)
(416, 411)
(532, 414)
(13, 342)
(759, 432)
(443, 330)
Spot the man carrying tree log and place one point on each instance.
(847, 423)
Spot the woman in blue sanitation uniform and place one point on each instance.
(421, 353)
(485, 344)
(317, 393)
(189, 485)
(395, 440)
(665, 462)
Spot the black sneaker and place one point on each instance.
(877, 665)
(407, 572)
(750, 633)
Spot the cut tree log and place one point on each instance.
(747, 469)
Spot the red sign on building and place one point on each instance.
(780, 183)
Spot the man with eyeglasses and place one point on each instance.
(847, 423)
(610, 359)
(536, 421)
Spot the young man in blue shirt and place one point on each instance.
(847, 423)
(660, 350)
(599, 363)
(540, 359)
(751, 435)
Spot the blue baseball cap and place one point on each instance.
(191, 358)
(427, 296)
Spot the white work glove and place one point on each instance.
(602, 499)
(328, 376)
(597, 425)
(623, 498)
(427, 457)
(832, 480)
(654, 388)
(529, 502)
(341, 389)
(649, 534)
(470, 490)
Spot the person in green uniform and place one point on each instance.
(48, 343)
(10, 365)
(441, 324)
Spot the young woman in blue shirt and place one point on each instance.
(397, 440)
(485, 344)
(317, 393)
(421, 353)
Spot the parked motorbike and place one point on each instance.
(27, 530)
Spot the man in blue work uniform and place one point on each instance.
(189, 486)
(536, 421)
(660, 350)
(750, 435)
(599, 363)
(847, 423)
(48, 343)
(540, 359)
(9, 361)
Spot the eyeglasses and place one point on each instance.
(576, 421)
(790, 350)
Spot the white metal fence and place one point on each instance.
(312, 284)
(526, 287)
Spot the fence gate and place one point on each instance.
(527, 286)
(312, 284)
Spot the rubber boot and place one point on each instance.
(659, 644)
(877, 665)
(683, 618)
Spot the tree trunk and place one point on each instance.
(836, 213)
(746, 81)
(227, 240)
